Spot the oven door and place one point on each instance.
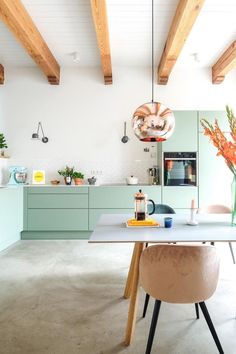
(180, 170)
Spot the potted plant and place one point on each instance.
(67, 173)
(3, 144)
(78, 177)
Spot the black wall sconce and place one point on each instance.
(125, 138)
(35, 136)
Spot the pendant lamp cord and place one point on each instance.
(152, 51)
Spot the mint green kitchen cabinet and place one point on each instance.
(214, 176)
(58, 190)
(57, 201)
(179, 197)
(185, 136)
(56, 212)
(116, 197)
(72, 212)
(94, 215)
(57, 219)
(211, 116)
(11, 215)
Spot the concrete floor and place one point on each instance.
(65, 297)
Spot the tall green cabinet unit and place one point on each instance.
(184, 139)
(214, 176)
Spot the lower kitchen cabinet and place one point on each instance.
(122, 197)
(179, 197)
(55, 212)
(11, 215)
(57, 219)
(94, 215)
(73, 212)
(116, 200)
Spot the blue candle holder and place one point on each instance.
(168, 222)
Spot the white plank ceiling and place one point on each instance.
(67, 27)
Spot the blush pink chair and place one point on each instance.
(180, 274)
(217, 209)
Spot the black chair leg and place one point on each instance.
(197, 310)
(232, 251)
(211, 326)
(146, 304)
(153, 326)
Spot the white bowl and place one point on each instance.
(132, 180)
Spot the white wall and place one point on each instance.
(84, 118)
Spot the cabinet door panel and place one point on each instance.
(57, 219)
(214, 176)
(120, 196)
(59, 201)
(180, 197)
(185, 134)
(94, 215)
(211, 116)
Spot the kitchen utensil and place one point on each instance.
(153, 175)
(92, 180)
(55, 182)
(132, 180)
(140, 206)
(125, 138)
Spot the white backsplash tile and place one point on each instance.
(105, 171)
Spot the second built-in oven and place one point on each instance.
(180, 168)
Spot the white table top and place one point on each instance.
(211, 227)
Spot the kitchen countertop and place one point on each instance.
(91, 185)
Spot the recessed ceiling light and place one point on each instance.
(195, 57)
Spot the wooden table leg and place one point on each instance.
(131, 322)
(129, 280)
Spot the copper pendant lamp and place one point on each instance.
(153, 121)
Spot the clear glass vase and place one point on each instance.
(233, 194)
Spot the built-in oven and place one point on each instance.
(180, 168)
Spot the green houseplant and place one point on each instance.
(78, 177)
(3, 144)
(67, 173)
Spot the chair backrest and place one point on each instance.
(163, 209)
(214, 209)
(179, 273)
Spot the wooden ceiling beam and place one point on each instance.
(1, 74)
(185, 16)
(224, 64)
(99, 13)
(19, 22)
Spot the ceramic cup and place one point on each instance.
(168, 222)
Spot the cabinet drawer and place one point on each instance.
(58, 201)
(57, 219)
(94, 215)
(180, 197)
(57, 190)
(120, 196)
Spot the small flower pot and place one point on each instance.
(78, 181)
(68, 180)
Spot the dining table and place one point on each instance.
(113, 228)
